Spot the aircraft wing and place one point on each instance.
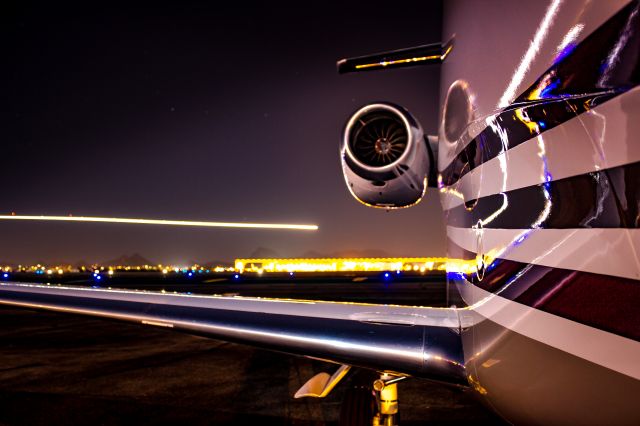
(416, 341)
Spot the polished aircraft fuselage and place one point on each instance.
(539, 177)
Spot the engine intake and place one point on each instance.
(378, 138)
(384, 156)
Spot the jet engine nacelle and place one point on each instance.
(384, 157)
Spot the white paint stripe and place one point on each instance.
(606, 349)
(600, 251)
(595, 140)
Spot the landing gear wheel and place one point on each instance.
(358, 407)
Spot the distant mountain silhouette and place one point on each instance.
(362, 253)
(267, 253)
(212, 263)
(133, 260)
(264, 253)
(259, 253)
(54, 262)
(312, 254)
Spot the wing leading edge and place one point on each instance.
(417, 341)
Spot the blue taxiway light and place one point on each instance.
(5, 275)
(236, 276)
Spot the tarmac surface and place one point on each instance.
(62, 369)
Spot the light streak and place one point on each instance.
(570, 38)
(544, 214)
(532, 52)
(163, 222)
(614, 55)
(446, 52)
(403, 61)
(504, 139)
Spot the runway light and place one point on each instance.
(196, 223)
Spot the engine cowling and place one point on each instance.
(384, 157)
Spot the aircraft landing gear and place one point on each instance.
(386, 392)
(358, 406)
(372, 399)
(372, 405)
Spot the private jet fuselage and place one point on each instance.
(538, 158)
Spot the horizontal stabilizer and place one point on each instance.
(409, 57)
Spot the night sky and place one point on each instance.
(201, 112)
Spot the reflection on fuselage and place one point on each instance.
(542, 196)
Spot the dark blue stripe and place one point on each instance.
(608, 198)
